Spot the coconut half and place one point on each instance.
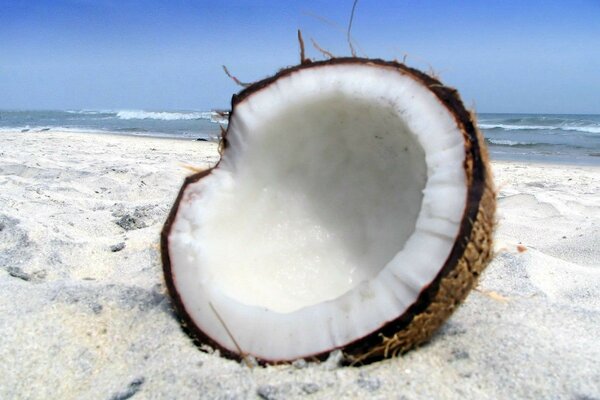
(352, 209)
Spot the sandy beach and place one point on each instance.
(84, 312)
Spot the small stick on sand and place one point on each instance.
(493, 295)
(193, 168)
(237, 346)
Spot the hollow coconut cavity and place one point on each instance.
(352, 208)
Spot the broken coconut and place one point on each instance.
(352, 209)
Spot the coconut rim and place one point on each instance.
(475, 172)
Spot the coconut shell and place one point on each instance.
(469, 256)
(449, 289)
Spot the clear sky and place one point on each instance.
(503, 56)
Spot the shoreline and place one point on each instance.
(588, 161)
(84, 310)
(92, 132)
(550, 163)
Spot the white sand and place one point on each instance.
(78, 320)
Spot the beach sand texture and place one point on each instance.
(84, 312)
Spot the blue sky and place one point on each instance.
(503, 56)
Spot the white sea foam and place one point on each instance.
(89, 112)
(162, 115)
(586, 129)
(583, 128)
(517, 127)
(504, 142)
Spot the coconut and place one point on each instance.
(352, 208)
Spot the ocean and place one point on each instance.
(554, 138)
(178, 124)
(517, 137)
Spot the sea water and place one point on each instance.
(176, 124)
(522, 137)
(542, 137)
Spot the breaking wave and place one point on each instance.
(90, 112)
(504, 142)
(516, 127)
(162, 115)
(584, 129)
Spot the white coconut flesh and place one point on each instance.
(337, 202)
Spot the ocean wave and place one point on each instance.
(504, 142)
(516, 127)
(90, 112)
(582, 129)
(162, 115)
(585, 129)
